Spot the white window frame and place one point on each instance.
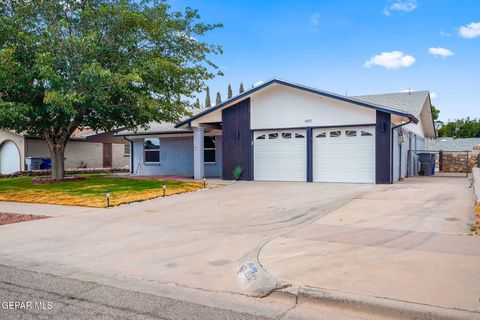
(214, 148)
(129, 145)
(145, 152)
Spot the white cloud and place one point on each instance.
(445, 34)
(257, 83)
(399, 5)
(470, 31)
(390, 60)
(408, 90)
(314, 21)
(440, 52)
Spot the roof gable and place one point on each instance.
(411, 102)
(249, 92)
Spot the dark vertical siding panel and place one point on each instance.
(309, 155)
(383, 146)
(237, 140)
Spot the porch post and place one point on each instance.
(198, 163)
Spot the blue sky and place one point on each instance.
(354, 47)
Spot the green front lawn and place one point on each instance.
(91, 191)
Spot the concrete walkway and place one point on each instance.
(404, 242)
(45, 209)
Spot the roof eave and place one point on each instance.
(146, 133)
(300, 87)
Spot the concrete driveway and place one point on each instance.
(405, 242)
(195, 240)
(337, 236)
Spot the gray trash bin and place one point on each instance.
(427, 164)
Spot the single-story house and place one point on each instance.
(282, 131)
(86, 149)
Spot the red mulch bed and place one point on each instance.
(49, 180)
(7, 218)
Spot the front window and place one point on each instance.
(126, 149)
(209, 149)
(152, 150)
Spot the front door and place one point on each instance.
(107, 155)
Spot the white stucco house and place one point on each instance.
(86, 149)
(282, 131)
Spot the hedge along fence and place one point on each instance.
(38, 173)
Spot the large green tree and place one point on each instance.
(208, 102)
(100, 64)
(435, 113)
(461, 128)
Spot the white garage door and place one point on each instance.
(280, 155)
(344, 155)
(9, 158)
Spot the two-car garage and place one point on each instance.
(284, 131)
(343, 154)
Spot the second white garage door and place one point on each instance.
(344, 155)
(280, 155)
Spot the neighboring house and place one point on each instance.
(85, 149)
(281, 131)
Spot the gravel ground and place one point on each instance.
(7, 218)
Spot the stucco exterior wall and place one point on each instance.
(18, 139)
(285, 107)
(176, 158)
(400, 164)
(90, 153)
(119, 158)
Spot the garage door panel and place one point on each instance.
(281, 158)
(344, 155)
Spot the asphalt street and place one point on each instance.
(31, 295)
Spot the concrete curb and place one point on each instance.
(476, 196)
(384, 307)
(476, 185)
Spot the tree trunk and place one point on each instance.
(58, 165)
(57, 154)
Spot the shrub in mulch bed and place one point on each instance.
(7, 218)
(49, 180)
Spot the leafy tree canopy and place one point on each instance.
(435, 113)
(461, 128)
(101, 64)
(208, 102)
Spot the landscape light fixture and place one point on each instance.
(107, 195)
(164, 187)
(204, 183)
